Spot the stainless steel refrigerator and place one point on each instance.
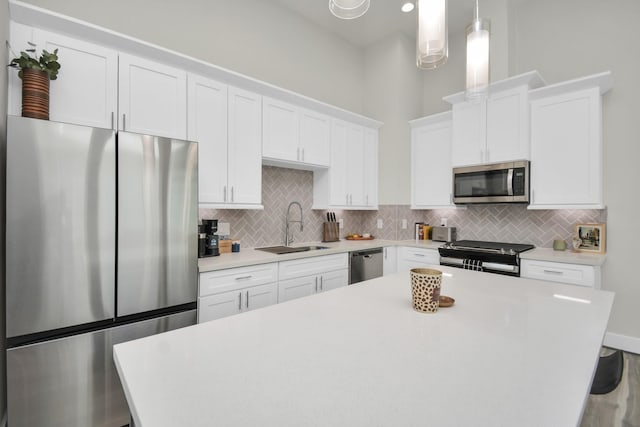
(101, 248)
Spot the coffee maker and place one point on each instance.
(208, 239)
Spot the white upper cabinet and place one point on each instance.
(351, 182)
(294, 136)
(226, 123)
(566, 144)
(86, 89)
(315, 137)
(245, 149)
(431, 177)
(495, 129)
(207, 124)
(152, 98)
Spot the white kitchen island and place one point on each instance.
(510, 352)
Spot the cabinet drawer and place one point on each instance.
(574, 274)
(420, 255)
(313, 265)
(215, 282)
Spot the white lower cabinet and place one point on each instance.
(572, 274)
(389, 260)
(307, 276)
(409, 258)
(234, 290)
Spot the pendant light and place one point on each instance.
(478, 33)
(348, 9)
(432, 48)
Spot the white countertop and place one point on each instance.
(510, 352)
(252, 256)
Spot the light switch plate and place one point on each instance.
(341, 222)
(380, 223)
(404, 224)
(224, 229)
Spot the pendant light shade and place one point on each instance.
(348, 9)
(478, 34)
(432, 40)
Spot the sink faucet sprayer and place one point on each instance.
(287, 239)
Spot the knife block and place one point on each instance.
(330, 232)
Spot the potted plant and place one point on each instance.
(36, 72)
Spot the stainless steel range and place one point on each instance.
(492, 257)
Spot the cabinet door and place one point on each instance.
(245, 147)
(312, 265)
(333, 280)
(431, 166)
(261, 296)
(152, 98)
(315, 136)
(390, 260)
(566, 151)
(280, 134)
(507, 126)
(370, 164)
(207, 124)
(409, 258)
(297, 288)
(355, 164)
(468, 133)
(219, 305)
(86, 89)
(338, 168)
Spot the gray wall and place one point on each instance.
(4, 26)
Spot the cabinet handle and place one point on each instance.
(225, 193)
(244, 277)
(367, 200)
(124, 122)
(112, 119)
(303, 154)
(556, 272)
(420, 255)
(232, 194)
(247, 300)
(347, 202)
(488, 154)
(385, 253)
(316, 283)
(450, 198)
(239, 300)
(321, 283)
(298, 154)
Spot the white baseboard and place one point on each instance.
(622, 342)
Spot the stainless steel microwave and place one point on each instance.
(495, 183)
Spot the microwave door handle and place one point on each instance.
(510, 182)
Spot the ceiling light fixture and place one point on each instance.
(348, 9)
(407, 6)
(432, 48)
(478, 33)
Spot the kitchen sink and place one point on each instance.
(279, 250)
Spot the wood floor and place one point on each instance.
(621, 407)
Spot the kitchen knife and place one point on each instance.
(328, 217)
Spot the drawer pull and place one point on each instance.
(244, 277)
(420, 255)
(247, 301)
(556, 272)
(239, 300)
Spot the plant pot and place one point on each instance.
(35, 94)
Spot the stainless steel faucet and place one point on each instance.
(287, 239)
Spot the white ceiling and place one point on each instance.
(383, 19)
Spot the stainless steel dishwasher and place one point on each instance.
(365, 265)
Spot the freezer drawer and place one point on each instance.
(73, 382)
(61, 225)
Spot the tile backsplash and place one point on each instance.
(280, 186)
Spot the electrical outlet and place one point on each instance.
(380, 223)
(404, 224)
(341, 222)
(443, 222)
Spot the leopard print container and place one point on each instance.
(425, 289)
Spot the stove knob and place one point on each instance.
(512, 252)
(502, 251)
